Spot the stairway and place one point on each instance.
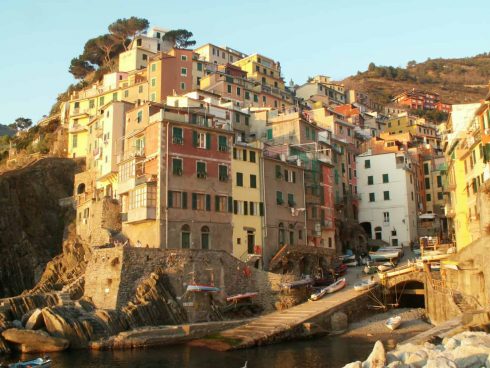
(278, 325)
(64, 299)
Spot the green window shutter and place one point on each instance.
(239, 179)
(245, 208)
(252, 156)
(385, 178)
(370, 180)
(199, 66)
(244, 158)
(278, 171)
(170, 199)
(261, 208)
(194, 201)
(184, 200)
(253, 181)
(208, 202)
(222, 142)
(279, 197)
(229, 79)
(235, 207)
(230, 204)
(234, 153)
(208, 141)
(294, 176)
(269, 133)
(252, 209)
(216, 203)
(291, 200)
(194, 138)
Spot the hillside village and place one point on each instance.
(210, 149)
(199, 177)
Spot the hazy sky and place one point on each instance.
(38, 38)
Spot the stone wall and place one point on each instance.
(98, 219)
(114, 274)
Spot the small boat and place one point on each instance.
(38, 362)
(393, 323)
(297, 284)
(383, 256)
(385, 266)
(340, 270)
(237, 297)
(337, 285)
(365, 285)
(202, 288)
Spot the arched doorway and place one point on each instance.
(409, 294)
(185, 237)
(81, 188)
(368, 229)
(205, 237)
(378, 232)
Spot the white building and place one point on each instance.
(386, 185)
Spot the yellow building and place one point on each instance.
(263, 70)
(248, 215)
(461, 151)
(421, 130)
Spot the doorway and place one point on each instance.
(250, 242)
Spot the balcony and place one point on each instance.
(77, 128)
(133, 182)
(141, 214)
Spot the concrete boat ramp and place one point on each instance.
(304, 320)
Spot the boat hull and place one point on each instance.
(393, 323)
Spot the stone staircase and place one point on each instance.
(290, 323)
(64, 299)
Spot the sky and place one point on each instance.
(38, 38)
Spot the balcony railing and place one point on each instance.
(141, 214)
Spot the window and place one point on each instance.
(185, 237)
(144, 57)
(440, 196)
(247, 95)
(239, 179)
(439, 181)
(75, 141)
(256, 98)
(199, 67)
(177, 199)
(237, 117)
(385, 178)
(372, 197)
(278, 172)
(114, 96)
(238, 91)
(282, 234)
(370, 180)
(177, 135)
(177, 167)
(153, 67)
(252, 156)
(126, 93)
(101, 101)
(253, 181)
(222, 143)
(201, 170)
(91, 104)
(279, 199)
(426, 169)
(386, 216)
(143, 196)
(221, 203)
(201, 202)
(427, 183)
(367, 164)
(386, 195)
(428, 197)
(153, 82)
(205, 237)
(228, 88)
(183, 57)
(223, 172)
(153, 97)
(182, 86)
(291, 201)
(139, 117)
(201, 140)
(183, 72)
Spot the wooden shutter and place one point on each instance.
(230, 204)
(184, 199)
(194, 201)
(208, 141)
(194, 138)
(216, 203)
(208, 202)
(170, 199)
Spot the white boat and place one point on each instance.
(348, 258)
(337, 285)
(385, 266)
(383, 256)
(202, 288)
(38, 362)
(365, 285)
(351, 263)
(392, 248)
(298, 283)
(393, 323)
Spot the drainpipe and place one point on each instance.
(304, 204)
(262, 197)
(166, 186)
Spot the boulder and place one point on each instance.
(4, 348)
(62, 323)
(30, 341)
(377, 358)
(35, 321)
(440, 362)
(470, 356)
(17, 324)
(339, 321)
(397, 364)
(417, 359)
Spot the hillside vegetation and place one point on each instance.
(456, 80)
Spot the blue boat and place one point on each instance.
(38, 362)
(202, 288)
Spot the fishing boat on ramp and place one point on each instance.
(337, 285)
(307, 280)
(393, 323)
(365, 285)
(202, 288)
(237, 297)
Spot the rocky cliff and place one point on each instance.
(31, 221)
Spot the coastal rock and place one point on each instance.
(30, 341)
(417, 359)
(440, 362)
(377, 358)
(35, 321)
(397, 364)
(466, 356)
(4, 348)
(450, 343)
(339, 321)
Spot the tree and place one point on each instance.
(371, 67)
(180, 38)
(21, 124)
(411, 63)
(92, 53)
(80, 68)
(106, 43)
(124, 29)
